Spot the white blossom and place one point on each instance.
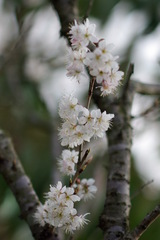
(39, 215)
(79, 125)
(95, 59)
(71, 156)
(77, 71)
(113, 80)
(76, 37)
(75, 223)
(58, 210)
(88, 32)
(70, 197)
(111, 64)
(67, 162)
(76, 57)
(101, 73)
(100, 61)
(107, 88)
(67, 107)
(66, 168)
(82, 34)
(105, 49)
(116, 75)
(102, 124)
(55, 192)
(86, 189)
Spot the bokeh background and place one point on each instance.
(32, 81)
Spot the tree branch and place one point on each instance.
(67, 11)
(146, 222)
(19, 183)
(153, 107)
(114, 220)
(19, 41)
(146, 88)
(141, 189)
(90, 4)
(129, 72)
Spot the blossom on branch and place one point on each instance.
(82, 34)
(58, 210)
(88, 57)
(67, 162)
(85, 189)
(99, 60)
(80, 124)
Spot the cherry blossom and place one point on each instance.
(88, 58)
(99, 60)
(86, 189)
(80, 125)
(58, 210)
(67, 162)
(82, 34)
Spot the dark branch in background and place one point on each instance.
(141, 188)
(90, 4)
(17, 43)
(129, 72)
(114, 220)
(14, 175)
(90, 91)
(153, 107)
(67, 11)
(146, 88)
(146, 222)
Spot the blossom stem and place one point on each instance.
(90, 91)
(80, 167)
(90, 4)
(80, 153)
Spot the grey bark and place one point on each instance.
(20, 184)
(114, 220)
(146, 88)
(67, 12)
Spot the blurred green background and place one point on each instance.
(32, 75)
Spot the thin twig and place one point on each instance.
(80, 152)
(129, 72)
(146, 222)
(146, 88)
(71, 237)
(141, 188)
(90, 4)
(17, 42)
(90, 91)
(155, 105)
(80, 161)
(80, 167)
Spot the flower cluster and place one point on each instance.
(100, 62)
(87, 53)
(67, 162)
(85, 188)
(80, 124)
(59, 210)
